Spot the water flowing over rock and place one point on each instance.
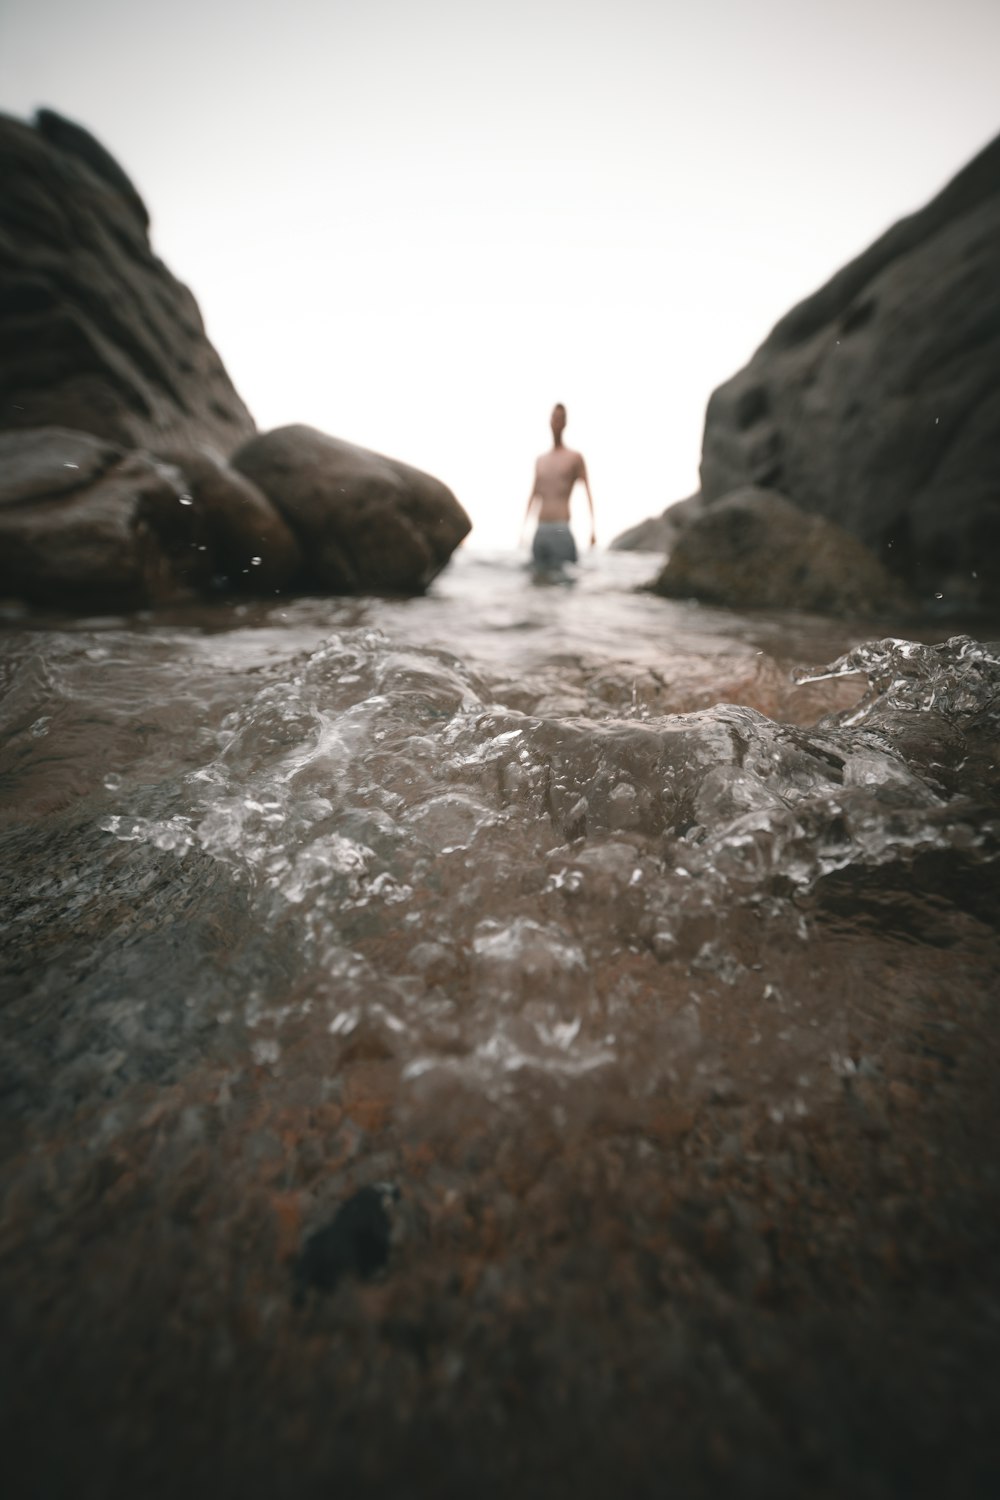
(496, 1049)
(95, 333)
(875, 403)
(366, 522)
(756, 550)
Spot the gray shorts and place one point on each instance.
(553, 545)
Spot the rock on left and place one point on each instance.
(117, 416)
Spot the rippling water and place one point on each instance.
(567, 909)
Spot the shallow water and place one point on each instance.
(614, 930)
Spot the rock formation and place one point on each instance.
(756, 550)
(116, 418)
(876, 402)
(366, 522)
(95, 333)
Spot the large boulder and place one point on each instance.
(876, 402)
(365, 522)
(85, 525)
(756, 550)
(95, 333)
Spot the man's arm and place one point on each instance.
(590, 501)
(533, 500)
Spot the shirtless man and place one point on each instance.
(556, 473)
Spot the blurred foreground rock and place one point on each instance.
(756, 550)
(117, 417)
(367, 522)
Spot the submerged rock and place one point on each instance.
(365, 521)
(875, 403)
(756, 550)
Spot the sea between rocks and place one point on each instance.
(649, 949)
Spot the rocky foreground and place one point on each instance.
(131, 472)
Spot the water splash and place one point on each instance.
(957, 678)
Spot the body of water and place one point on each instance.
(649, 949)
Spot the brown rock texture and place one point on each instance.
(252, 546)
(95, 333)
(756, 550)
(365, 522)
(84, 524)
(876, 402)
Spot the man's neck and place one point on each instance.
(557, 442)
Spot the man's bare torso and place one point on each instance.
(556, 472)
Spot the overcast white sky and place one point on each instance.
(417, 224)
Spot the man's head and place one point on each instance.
(558, 419)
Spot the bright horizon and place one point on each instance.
(417, 226)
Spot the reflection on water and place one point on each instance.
(644, 946)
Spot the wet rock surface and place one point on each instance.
(674, 1022)
(874, 403)
(253, 548)
(83, 523)
(754, 549)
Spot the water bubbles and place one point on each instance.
(41, 726)
(344, 1022)
(255, 562)
(265, 1051)
(712, 958)
(171, 835)
(185, 499)
(112, 782)
(957, 677)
